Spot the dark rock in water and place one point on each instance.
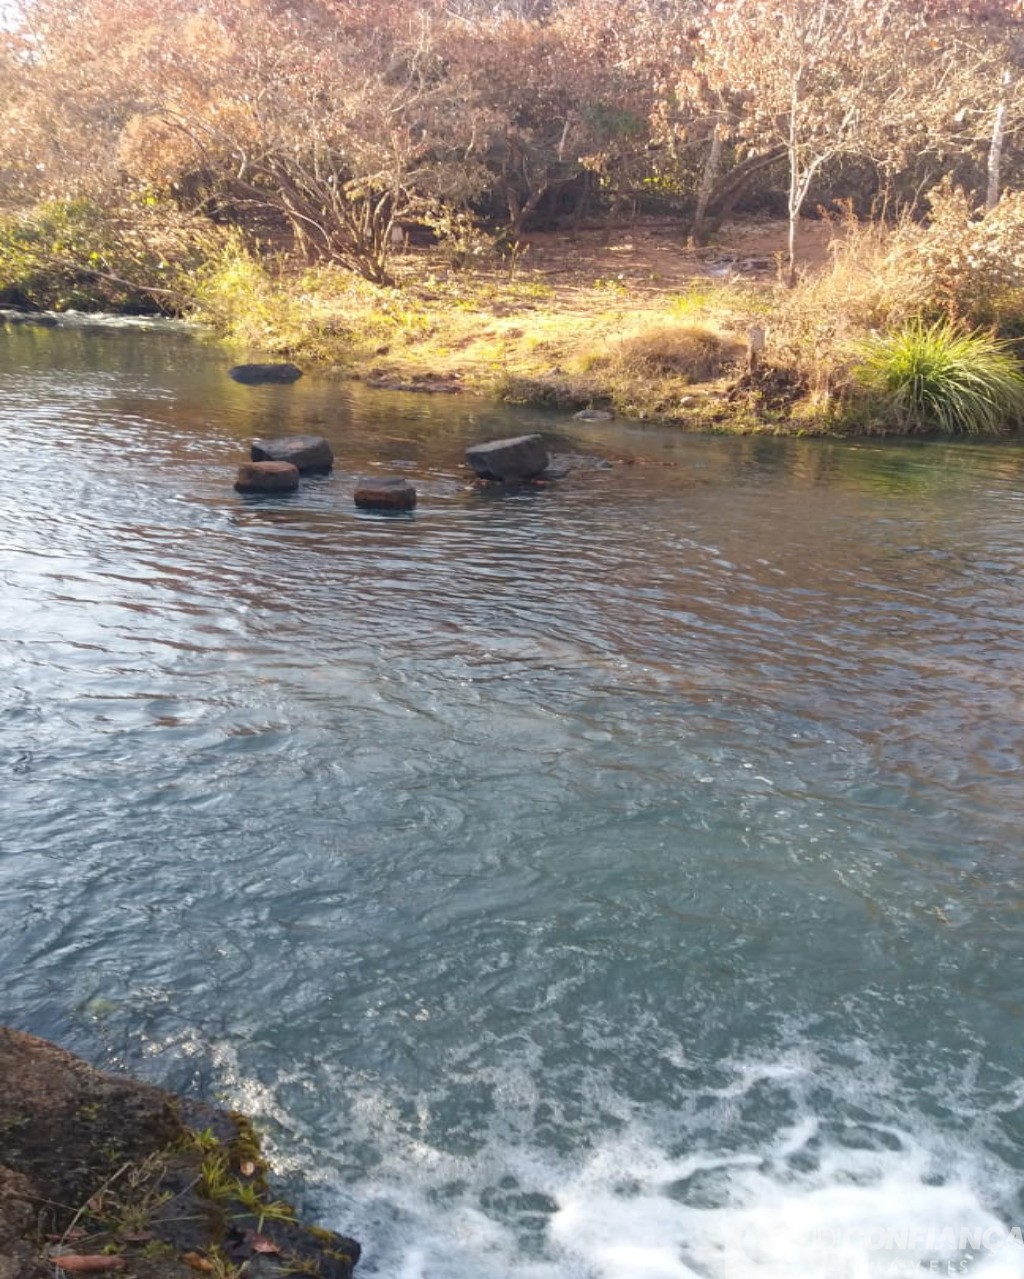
(594, 415)
(39, 320)
(388, 493)
(519, 458)
(80, 1148)
(254, 374)
(307, 452)
(267, 477)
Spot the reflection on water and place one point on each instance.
(617, 877)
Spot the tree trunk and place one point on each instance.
(795, 200)
(995, 151)
(707, 185)
(729, 191)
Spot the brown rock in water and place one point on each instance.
(307, 452)
(519, 458)
(267, 477)
(388, 493)
(83, 1149)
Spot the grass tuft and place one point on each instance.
(940, 377)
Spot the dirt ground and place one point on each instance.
(652, 257)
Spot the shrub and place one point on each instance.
(972, 262)
(233, 284)
(940, 377)
(78, 254)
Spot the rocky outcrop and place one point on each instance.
(96, 1165)
(520, 458)
(267, 477)
(255, 374)
(385, 493)
(307, 452)
(19, 1259)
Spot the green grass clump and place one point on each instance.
(940, 377)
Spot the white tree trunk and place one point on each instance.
(995, 150)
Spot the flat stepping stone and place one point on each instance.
(267, 477)
(388, 493)
(307, 452)
(519, 458)
(254, 374)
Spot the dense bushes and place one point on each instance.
(77, 254)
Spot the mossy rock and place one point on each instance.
(102, 1164)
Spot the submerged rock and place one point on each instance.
(39, 319)
(93, 1151)
(519, 458)
(254, 374)
(307, 452)
(425, 383)
(267, 477)
(386, 493)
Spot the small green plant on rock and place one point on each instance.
(940, 377)
(216, 1180)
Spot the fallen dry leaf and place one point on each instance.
(196, 1262)
(82, 1264)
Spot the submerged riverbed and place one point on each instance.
(621, 878)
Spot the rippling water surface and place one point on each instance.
(622, 878)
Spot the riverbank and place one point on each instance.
(886, 330)
(633, 322)
(101, 1173)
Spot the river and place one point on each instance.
(621, 879)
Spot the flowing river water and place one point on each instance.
(622, 879)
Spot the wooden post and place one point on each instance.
(755, 345)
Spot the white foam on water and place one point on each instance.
(891, 1196)
(858, 1215)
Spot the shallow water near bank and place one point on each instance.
(617, 878)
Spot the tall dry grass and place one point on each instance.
(957, 266)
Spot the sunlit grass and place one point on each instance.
(939, 377)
